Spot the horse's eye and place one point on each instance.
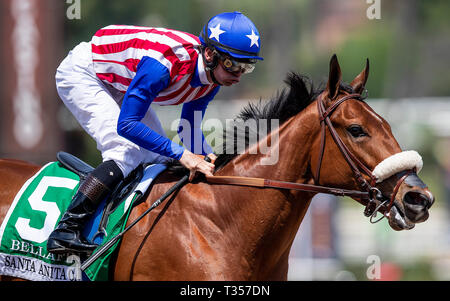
(356, 131)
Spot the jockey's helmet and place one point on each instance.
(233, 34)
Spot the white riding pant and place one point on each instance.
(97, 107)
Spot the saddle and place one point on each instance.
(142, 179)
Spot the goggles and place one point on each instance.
(231, 65)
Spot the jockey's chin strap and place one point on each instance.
(214, 79)
(210, 65)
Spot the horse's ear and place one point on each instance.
(334, 78)
(359, 83)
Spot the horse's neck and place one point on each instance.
(287, 158)
(275, 215)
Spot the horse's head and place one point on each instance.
(361, 153)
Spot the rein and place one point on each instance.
(369, 196)
(267, 183)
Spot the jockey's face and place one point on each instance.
(222, 76)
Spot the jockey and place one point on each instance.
(109, 83)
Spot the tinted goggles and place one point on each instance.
(233, 65)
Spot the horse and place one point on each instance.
(211, 231)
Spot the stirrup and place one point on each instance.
(61, 246)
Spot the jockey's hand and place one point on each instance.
(212, 156)
(196, 163)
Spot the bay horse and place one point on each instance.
(234, 232)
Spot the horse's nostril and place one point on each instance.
(416, 205)
(416, 199)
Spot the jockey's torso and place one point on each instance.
(117, 51)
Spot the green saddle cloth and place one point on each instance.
(34, 213)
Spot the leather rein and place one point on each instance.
(369, 195)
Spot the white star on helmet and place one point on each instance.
(253, 39)
(216, 32)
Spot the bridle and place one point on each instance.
(369, 195)
(374, 195)
(375, 199)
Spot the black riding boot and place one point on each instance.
(67, 237)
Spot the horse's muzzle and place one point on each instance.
(417, 199)
(411, 204)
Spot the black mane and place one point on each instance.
(299, 94)
(287, 103)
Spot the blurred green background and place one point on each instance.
(407, 47)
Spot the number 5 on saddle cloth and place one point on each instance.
(42, 201)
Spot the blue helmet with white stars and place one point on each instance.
(234, 34)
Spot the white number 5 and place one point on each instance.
(38, 204)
